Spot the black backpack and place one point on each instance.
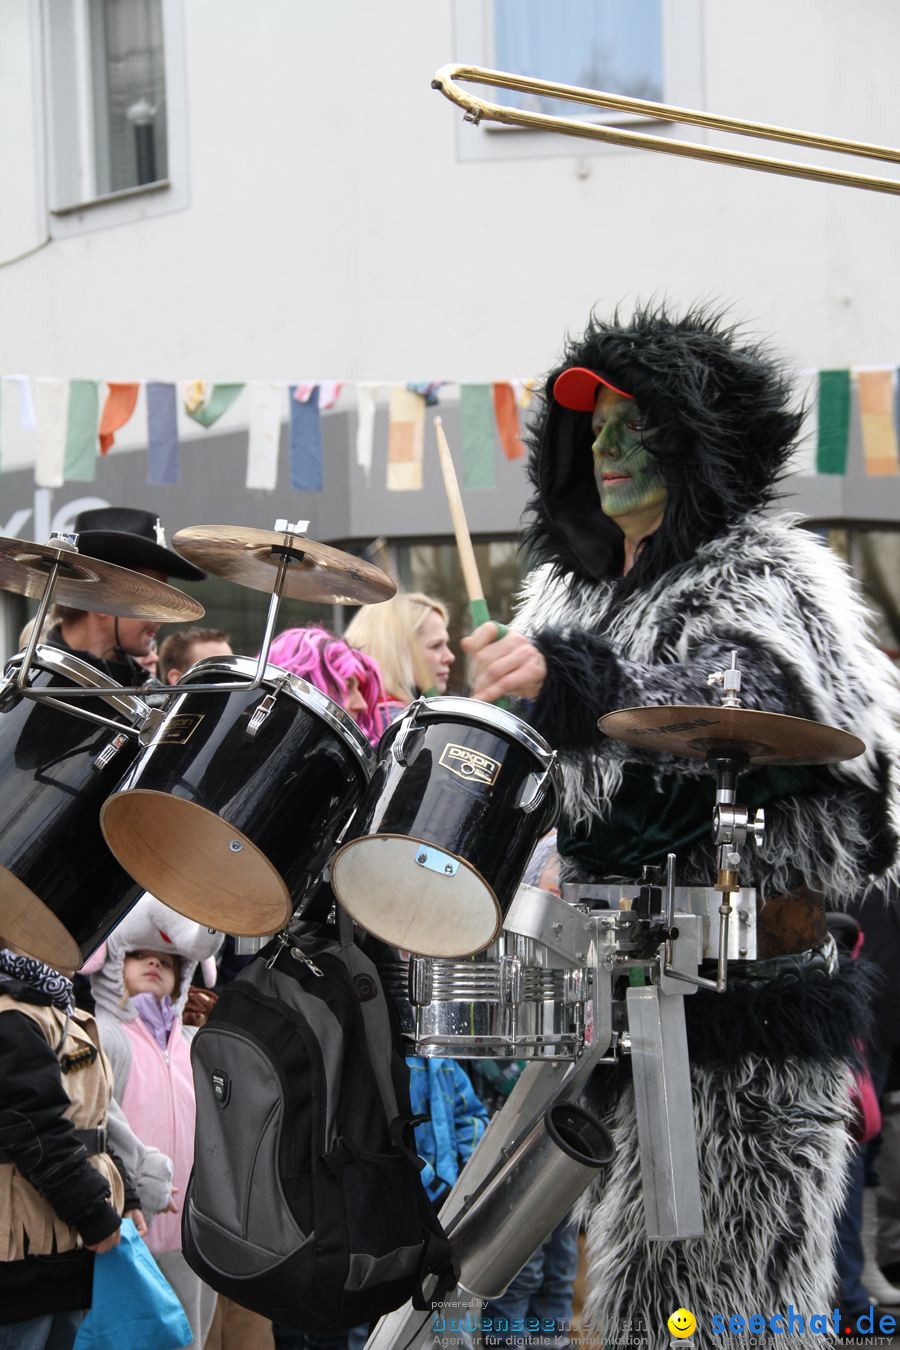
(305, 1201)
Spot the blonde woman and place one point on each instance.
(408, 638)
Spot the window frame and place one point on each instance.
(73, 207)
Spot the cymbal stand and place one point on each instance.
(11, 686)
(732, 824)
(64, 698)
(66, 543)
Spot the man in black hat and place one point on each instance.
(127, 538)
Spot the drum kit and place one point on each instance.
(249, 792)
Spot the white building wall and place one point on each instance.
(333, 229)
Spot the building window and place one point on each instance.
(129, 94)
(596, 44)
(648, 49)
(116, 115)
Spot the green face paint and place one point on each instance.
(628, 479)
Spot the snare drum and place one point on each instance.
(461, 794)
(61, 890)
(512, 1001)
(232, 810)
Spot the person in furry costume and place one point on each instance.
(659, 445)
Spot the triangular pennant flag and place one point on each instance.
(306, 443)
(806, 398)
(208, 410)
(329, 393)
(117, 410)
(876, 415)
(82, 444)
(51, 400)
(834, 421)
(506, 415)
(406, 440)
(27, 414)
(477, 411)
(366, 398)
(266, 409)
(162, 433)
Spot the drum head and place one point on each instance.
(31, 925)
(196, 862)
(382, 886)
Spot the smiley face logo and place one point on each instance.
(682, 1323)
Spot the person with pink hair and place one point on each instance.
(350, 677)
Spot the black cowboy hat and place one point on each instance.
(130, 538)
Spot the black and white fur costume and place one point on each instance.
(719, 575)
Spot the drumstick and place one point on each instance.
(477, 607)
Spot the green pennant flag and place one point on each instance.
(80, 463)
(834, 421)
(477, 410)
(219, 401)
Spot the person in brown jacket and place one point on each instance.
(61, 1192)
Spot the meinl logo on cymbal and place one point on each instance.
(470, 764)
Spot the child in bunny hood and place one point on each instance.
(140, 980)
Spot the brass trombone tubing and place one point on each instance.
(476, 109)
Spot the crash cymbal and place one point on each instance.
(315, 572)
(706, 731)
(87, 583)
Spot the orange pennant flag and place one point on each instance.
(876, 415)
(120, 404)
(506, 415)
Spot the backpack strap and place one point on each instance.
(344, 926)
(438, 1258)
(402, 1137)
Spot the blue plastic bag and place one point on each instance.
(133, 1303)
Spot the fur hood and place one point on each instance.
(718, 418)
(152, 926)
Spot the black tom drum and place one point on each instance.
(61, 890)
(461, 794)
(232, 810)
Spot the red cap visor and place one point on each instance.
(577, 387)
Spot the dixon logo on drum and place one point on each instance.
(469, 764)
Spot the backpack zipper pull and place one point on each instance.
(299, 955)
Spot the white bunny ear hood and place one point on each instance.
(149, 926)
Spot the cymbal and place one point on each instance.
(708, 730)
(87, 583)
(315, 572)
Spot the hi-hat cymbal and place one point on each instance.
(87, 583)
(315, 572)
(705, 731)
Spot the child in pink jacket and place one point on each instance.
(140, 981)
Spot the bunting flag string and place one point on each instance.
(852, 418)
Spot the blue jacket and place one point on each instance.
(441, 1090)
